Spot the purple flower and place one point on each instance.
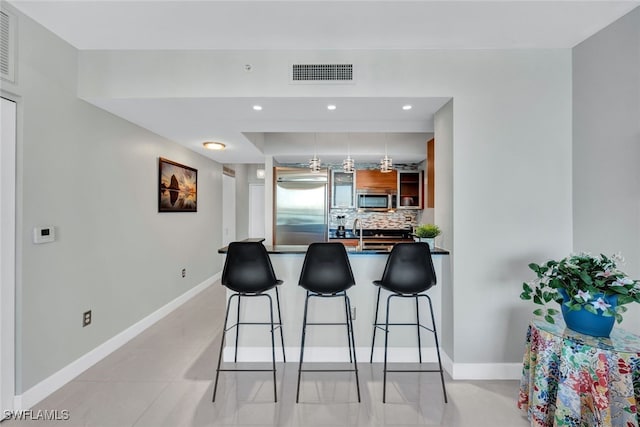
(601, 304)
(584, 295)
(622, 282)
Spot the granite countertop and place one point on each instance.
(301, 249)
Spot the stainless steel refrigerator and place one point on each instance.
(300, 203)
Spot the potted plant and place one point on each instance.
(590, 289)
(427, 233)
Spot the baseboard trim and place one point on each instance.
(49, 385)
(457, 371)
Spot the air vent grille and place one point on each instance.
(6, 46)
(322, 73)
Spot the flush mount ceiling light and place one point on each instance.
(407, 107)
(210, 145)
(257, 107)
(331, 107)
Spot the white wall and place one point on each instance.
(443, 217)
(606, 146)
(94, 177)
(511, 185)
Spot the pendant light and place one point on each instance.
(386, 164)
(314, 163)
(348, 165)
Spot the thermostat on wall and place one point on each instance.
(44, 234)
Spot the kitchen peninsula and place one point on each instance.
(328, 343)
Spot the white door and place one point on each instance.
(256, 210)
(8, 115)
(228, 209)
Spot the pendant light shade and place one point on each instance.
(386, 164)
(314, 163)
(348, 165)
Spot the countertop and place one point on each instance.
(301, 249)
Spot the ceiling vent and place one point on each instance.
(322, 73)
(7, 46)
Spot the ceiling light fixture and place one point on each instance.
(257, 107)
(348, 165)
(386, 164)
(407, 107)
(331, 107)
(210, 145)
(314, 163)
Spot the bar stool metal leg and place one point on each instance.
(272, 325)
(386, 345)
(304, 332)
(352, 342)
(418, 327)
(273, 348)
(224, 333)
(347, 312)
(235, 353)
(284, 357)
(435, 334)
(375, 326)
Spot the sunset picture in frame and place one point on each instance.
(177, 187)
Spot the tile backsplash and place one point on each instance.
(397, 219)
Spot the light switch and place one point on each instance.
(44, 234)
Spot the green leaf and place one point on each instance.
(537, 300)
(553, 311)
(549, 319)
(525, 296)
(538, 312)
(618, 317)
(526, 287)
(586, 278)
(535, 267)
(590, 309)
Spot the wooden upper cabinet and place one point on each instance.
(374, 180)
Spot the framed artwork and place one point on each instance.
(177, 187)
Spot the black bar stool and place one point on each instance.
(249, 273)
(409, 272)
(326, 273)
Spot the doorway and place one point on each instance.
(256, 211)
(228, 208)
(8, 122)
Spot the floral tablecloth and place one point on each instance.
(571, 379)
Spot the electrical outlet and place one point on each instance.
(353, 312)
(86, 318)
(184, 272)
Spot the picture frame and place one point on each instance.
(177, 187)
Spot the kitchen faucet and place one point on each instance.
(358, 223)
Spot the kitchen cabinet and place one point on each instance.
(373, 180)
(410, 190)
(343, 185)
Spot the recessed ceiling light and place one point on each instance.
(257, 107)
(331, 107)
(214, 145)
(407, 107)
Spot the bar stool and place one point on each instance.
(249, 273)
(408, 273)
(326, 273)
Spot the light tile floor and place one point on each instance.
(164, 377)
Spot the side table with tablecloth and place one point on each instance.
(572, 379)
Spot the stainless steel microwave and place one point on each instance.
(376, 201)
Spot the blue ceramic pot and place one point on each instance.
(586, 322)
